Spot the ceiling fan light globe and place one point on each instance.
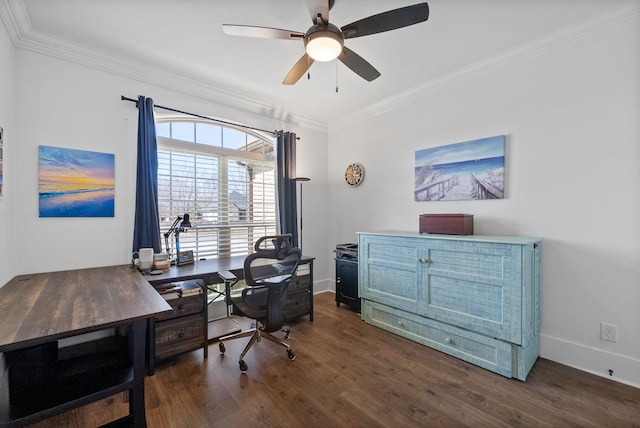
(323, 45)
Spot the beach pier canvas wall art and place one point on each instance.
(76, 183)
(462, 171)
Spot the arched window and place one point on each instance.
(223, 177)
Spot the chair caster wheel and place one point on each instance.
(287, 334)
(337, 304)
(222, 349)
(291, 355)
(243, 366)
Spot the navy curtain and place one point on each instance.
(286, 174)
(146, 230)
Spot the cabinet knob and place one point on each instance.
(400, 323)
(447, 339)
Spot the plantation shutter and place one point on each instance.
(229, 195)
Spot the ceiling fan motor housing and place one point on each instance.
(324, 43)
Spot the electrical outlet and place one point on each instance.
(608, 332)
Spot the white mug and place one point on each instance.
(145, 258)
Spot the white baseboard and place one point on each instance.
(595, 361)
(323, 285)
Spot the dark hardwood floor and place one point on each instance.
(348, 373)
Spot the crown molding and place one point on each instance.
(14, 15)
(616, 20)
(15, 18)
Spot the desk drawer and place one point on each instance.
(179, 335)
(483, 351)
(298, 304)
(299, 283)
(183, 306)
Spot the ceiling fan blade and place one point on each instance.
(298, 70)
(320, 7)
(261, 32)
(358, 65)
(387, 21)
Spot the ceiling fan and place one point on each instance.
(324, 41)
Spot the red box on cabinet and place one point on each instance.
(448, 224)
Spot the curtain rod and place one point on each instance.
(272, 133)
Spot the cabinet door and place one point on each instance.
(389, 271)
(476, 286)
(347, 280)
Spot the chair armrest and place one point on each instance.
(227, 276)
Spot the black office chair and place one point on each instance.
(267, 273)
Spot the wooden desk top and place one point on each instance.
(201, 268)
(197, 269)
(42, 307)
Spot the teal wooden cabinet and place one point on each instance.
(474, 297)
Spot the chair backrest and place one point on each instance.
(272, 265)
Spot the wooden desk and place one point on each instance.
(200, 269)
(38, 380)
(181, 337)
(208, 271)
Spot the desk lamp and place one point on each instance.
(181, 224)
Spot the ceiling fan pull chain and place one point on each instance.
(336, 76)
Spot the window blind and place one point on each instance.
(229, 195)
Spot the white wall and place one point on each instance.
(68, 105)
(571, 121)
(312, 161)
(6, 122)
(572, 166)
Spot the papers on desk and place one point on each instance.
(167, 288)
(182, 289)
(190, 288)
(190, 292)
(303, 269)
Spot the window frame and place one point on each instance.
(225, 232)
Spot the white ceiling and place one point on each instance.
(185, 38)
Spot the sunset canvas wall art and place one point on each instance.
(76, 183)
